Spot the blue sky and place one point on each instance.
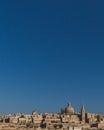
(51, 52)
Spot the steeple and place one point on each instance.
(83, 113)
(83, 108)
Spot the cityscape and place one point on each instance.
(66, 119)
(51, 53)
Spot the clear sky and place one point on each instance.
(51, 52)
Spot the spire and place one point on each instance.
(83, 113)
(83, 108)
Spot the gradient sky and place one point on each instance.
(51, 52)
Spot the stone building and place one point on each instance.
(83, 114)
(69, 110)
(67, 119)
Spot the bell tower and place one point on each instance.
(83, 113)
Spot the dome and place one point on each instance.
(69, 109)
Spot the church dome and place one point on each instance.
(69, 109)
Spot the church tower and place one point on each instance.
(83, 113)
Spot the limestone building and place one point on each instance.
(83, 114)
(69, 110)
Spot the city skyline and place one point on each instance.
(51, 52)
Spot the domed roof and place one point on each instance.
(69, 109)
